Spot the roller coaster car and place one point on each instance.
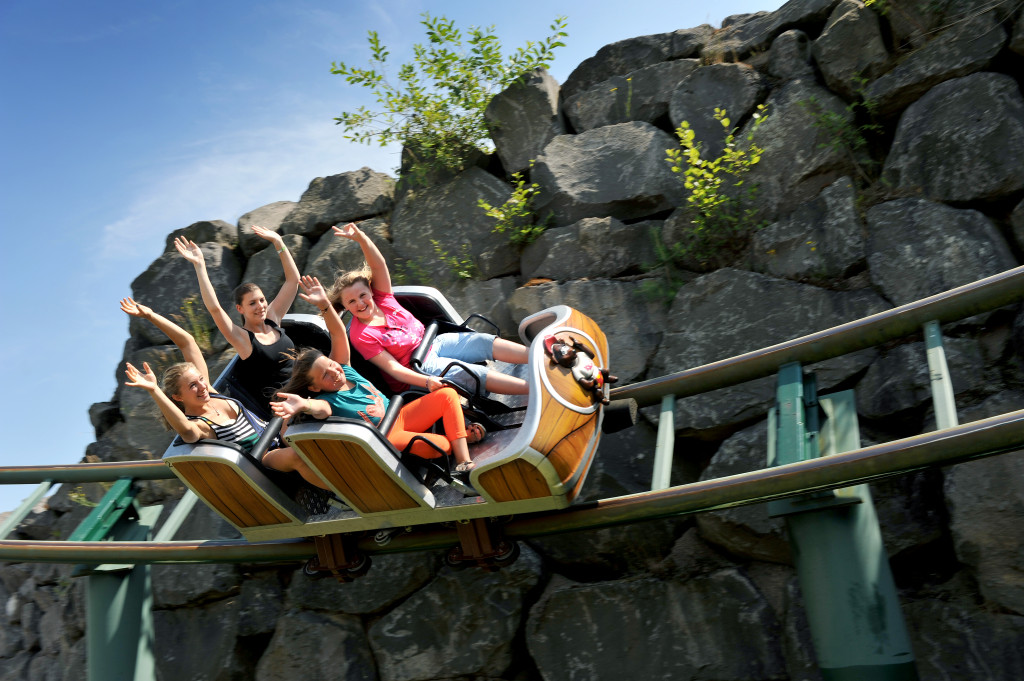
(536, 456)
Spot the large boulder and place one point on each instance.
(629, 55)
(523, 118)
(918, 248)
(463, 622)
(204, 231)
(714, 627)
(822, 241)
(735, 88)
(975, 125)
(269, 217)
(801, 155)
(913, 23)
(169, 286)
(729, 312)
(618, 171)
(742, 36)
(591, 248)
(449, 215)
(322, 645)
(790, 56)
(264, 267)
(632, 338)
(200, 643)
(850, 48)
(641, 95)
(339, 199)
(964, 48)
(986, 510)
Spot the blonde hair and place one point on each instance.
(346, 279)
(170, 385)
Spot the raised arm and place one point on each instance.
(189, 430)
(286, 296)
(234, 333)
(378, 267)
(179, 336)
(293, 404)
(314, 294)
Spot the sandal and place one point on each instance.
(465, 467)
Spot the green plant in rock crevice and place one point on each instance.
(722, 208)
(515, 217)
(462, 266)
(845, 134)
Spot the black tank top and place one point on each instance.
(267, 368)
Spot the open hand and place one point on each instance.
(189, 250)
(289, 407)
(313, 292)
(268, 234)
(140, 379)
(349, 231)
(130, 307)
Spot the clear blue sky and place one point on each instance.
(121, 121)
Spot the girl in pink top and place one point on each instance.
(386, 334)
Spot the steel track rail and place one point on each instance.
(979, 439)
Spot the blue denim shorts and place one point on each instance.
(467, 348)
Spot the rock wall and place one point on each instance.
(933, 200)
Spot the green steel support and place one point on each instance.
(849, 594)
(19, 514)
(119, 620)
(665, 444)
(942, 383)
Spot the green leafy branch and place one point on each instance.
(515, 217)
(436, 107)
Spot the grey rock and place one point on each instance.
(16, 667)
(204, 231)
(1017, 38)
(322, 645)
(269, 217)
(729, 312)
(488, 299)
(102, 415)
(962, 49)
(800, 155)
(199, 643)
(623, 465)
(956, 641)
(391, 578)
(475, 638)
(899, 380)
(264, 268)
(170, 280)
(523, 118)
(592, 247)
(918, 248)
(735, 88)
(653, 629)
(45, 667)
(629, 55)
(985, 499)
(911, 511)
(850, 48)
(340, 199)
(260, 603)
(1017, 224)
(975, 124)
(821, 242)
(618, 171)
(332, 256)
(790, 56)
(610, 552)
(449, 214)
(917, 21)
(178, 585)
(742, 36)
(642, 95)
(631, 338)
(746, 531)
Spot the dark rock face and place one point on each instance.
(982, 147)
(929, 198)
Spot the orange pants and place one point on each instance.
(419, 415)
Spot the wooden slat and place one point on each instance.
(357, 475)
(222, 487)
(514, 480)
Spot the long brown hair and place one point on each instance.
(302, 365)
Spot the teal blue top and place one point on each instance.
(363, 401)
